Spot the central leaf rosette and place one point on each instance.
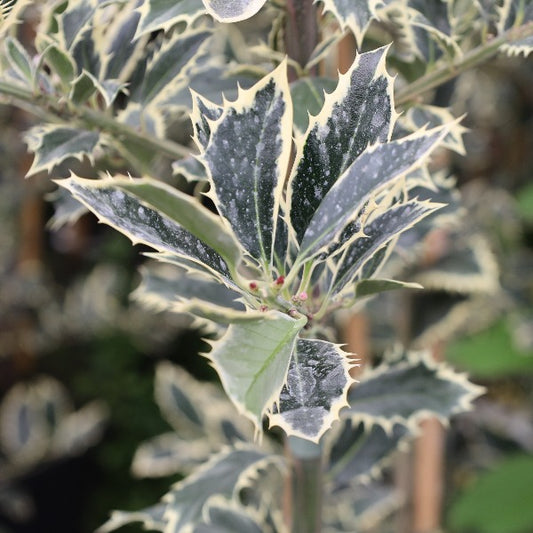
(302, 227)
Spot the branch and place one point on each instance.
(50, 110)
(448, 70)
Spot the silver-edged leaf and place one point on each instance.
(152, 518)
(153, 213)
(359, 452)
(60, 62)
(354, 14)
(163, 14)
(358, 113)
(376, 167)
(226, 516)
(75, 20)
(512, 13)
(315, 391)
(52, 144)
(252, 360)
(233, 11)
(203, 114)
(169, 64)
(19, 60)
(375, 234)
(408, 388)
(247, 158)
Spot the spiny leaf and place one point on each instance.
(376, 167)
(359, 453)
(183, 506)
(151, 212)
(75, 20)
(52, 144)
(252, 360)
(225, 516)
(247, 158)
(408, 388)
(380, 230)
(358, 113)
(317, 384)
(355, 14)
(225, 11)
(163, 14)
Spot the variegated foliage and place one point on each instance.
(106, 83)
(285, 254)
(385, 409)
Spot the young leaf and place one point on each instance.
(368, 287)
(315, 391)
(163, 14)
(247, 158)
(52, 144)
(252, 360)
(376, 167)
(151, 212)
(359, 453)
(357, 114)
(375, 234)
(60, 62)
(410, 388)
(225, 11)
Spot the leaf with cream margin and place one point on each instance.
(234, 11)
(183, 506)
(153, 213)
(355, 14)
(358, 113)
(317, 385)
(52, 144)
(252, 359)
(377, 167)
(247, 158)
(409, 387)
(163, 14)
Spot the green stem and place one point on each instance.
(306, 485)
(447, 70)
(47, 108)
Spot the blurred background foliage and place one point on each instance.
(65, 314)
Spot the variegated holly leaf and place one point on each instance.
(222, 515)
(204, 113)
(52, 144)
(378, 166)
(510, 14)
(409, 387)
(20, 61)
(359, 452)
(234, 11)
(358, 113)
(183, 507)
(375, 234)
(151, 212)
(315, 390)
(163, 14)
(354, 15)
(167, 454)
(75, 21)
(252, 359)
(247, 157)
(67, 209)
(169, 288)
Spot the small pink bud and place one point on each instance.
(302, 296)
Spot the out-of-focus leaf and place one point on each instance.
(234, 11)
(317, 384)
(52, 144)
(20, 60)
(368, 287)
(499, 500)
(408, 388)
(224, 516)
(252, 360)
(163, 14)
(355, 15)
(308, 98)
(359, 453)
